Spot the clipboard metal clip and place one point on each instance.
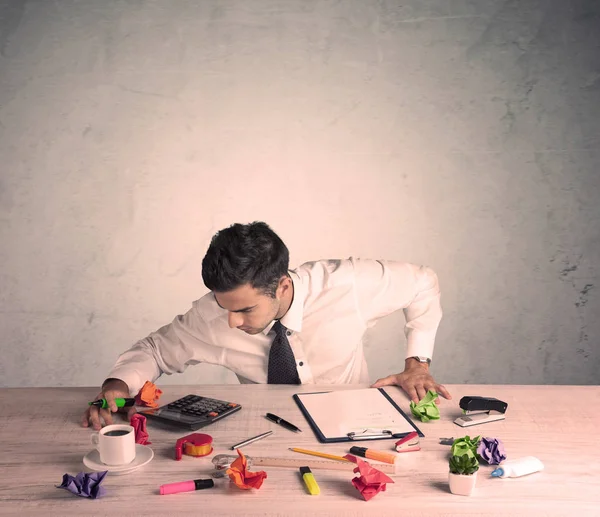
(373, 434)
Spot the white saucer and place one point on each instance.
(143, 455)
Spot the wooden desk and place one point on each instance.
(41, 439)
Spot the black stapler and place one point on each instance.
(480, 410)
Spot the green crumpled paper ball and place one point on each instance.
(426, 409)
(465, 445)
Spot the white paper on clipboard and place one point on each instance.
(362, 411)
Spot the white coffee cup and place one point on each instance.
(116, 444)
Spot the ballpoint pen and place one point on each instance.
(120, 402)
(251, 440)
(282, 422)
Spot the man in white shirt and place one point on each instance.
(269, 324)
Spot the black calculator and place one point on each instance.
(192, 412)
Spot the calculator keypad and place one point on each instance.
(195, 411)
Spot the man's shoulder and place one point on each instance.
(329, 265)
(208, 308)
(335, 266)
(331, 272)
(327, 271)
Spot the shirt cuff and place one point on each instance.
(132, 379)
(420, 344)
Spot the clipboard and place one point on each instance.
(354, 415)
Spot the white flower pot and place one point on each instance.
(461, 484)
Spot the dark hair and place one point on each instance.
(245, 254)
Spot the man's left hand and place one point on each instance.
(415, 380)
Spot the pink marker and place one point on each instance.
(186, 486)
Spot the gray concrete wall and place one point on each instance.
(463, 134)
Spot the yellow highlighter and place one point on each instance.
(310, 481)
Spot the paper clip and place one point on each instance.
(376, 436)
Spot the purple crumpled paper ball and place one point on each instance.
(84, 485)
(491, 450)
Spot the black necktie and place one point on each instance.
(282, 364)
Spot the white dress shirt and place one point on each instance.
(334, 302)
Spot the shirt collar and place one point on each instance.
(293, 317)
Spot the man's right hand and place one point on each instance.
(111, 389)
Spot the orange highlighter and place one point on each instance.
(386, 457)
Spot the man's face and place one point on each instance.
(249, 309)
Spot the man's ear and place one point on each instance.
(285, 284)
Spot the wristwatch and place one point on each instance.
(421, 359)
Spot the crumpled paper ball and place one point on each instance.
(84, 484)
(148, 395)
(242, 477)
(138, 422)
(465, 445)
(491, 450)
(371, 481)
(426, 410)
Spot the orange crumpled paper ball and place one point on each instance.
(242, 477)
(148, 395)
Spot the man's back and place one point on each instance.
(334, 302)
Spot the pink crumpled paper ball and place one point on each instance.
(138, 422)
(371, 481)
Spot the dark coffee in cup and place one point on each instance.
(116, 433)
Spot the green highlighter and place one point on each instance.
(102, 404)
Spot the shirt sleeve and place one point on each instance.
(170, 349)
(383, 287)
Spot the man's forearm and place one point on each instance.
(423, 315)
(136, 366)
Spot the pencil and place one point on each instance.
(320, 454)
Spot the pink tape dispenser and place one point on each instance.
(195, 444)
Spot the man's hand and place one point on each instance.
(111, 389)
(415, 380)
